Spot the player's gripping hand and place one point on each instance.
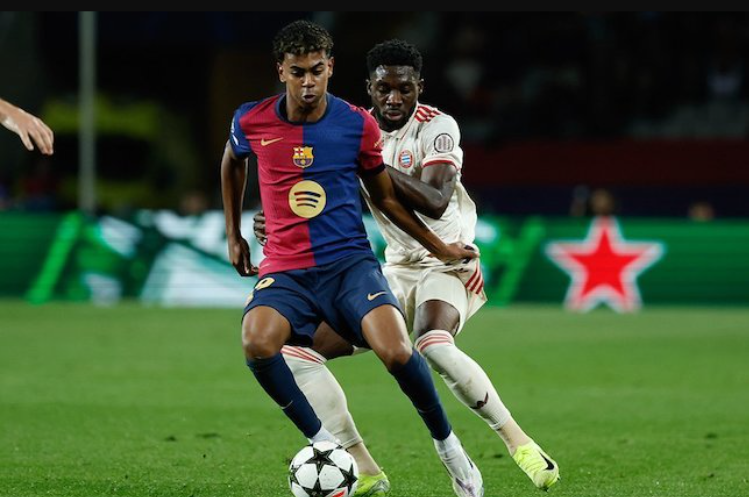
(239, 255)
(258, 227)
(457, 252)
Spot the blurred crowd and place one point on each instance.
(168, 83)
(598, 75)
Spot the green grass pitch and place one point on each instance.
(137, 401)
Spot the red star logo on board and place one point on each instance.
(604, 267)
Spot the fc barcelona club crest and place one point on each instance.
(303, 156)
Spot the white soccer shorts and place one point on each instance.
(415, 284)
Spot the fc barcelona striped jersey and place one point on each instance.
(309, 179)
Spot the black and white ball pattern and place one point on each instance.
(323, 469)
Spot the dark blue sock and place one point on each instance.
(276, 379)
(415, 380)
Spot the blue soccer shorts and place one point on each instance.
(340, 293)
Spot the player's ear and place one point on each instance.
(421, 86)
(331, 63)
(281, 75)
(369, 86)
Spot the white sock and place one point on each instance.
(323, 392)
(466, 379)
(451, 453)
(322, 436)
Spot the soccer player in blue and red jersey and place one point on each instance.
(426, 167)
(312, 148)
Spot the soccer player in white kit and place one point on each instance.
(421, 146)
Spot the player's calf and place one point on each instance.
(264, 332)
(329, 402)
(465, 378)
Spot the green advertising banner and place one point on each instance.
(162, 258)
(25, 242)
(624, 262)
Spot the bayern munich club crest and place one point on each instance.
(604, 267)
(303, 157)
(406, 159)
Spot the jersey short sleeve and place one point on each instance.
(370, 152)
(440, 141)
(237, 137)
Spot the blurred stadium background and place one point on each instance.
(577, 127)
(640, 115)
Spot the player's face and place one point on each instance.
(306, 77)
(394, 91)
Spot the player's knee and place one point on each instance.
(435, 315)
(396, 357)
(259, 344)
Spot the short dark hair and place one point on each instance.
(394, 53)
(301, 37)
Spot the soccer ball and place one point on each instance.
(323, 469)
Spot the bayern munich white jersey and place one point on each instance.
(429, 137)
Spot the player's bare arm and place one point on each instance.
(233, 181)
(430, 194)
(382, 193)
(30, 128)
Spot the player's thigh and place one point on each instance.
(288, 298)
(264, 331)
(403, 281)
(384, 330)
(330, 344)
(362, 289)
(441, 303)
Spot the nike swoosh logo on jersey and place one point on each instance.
(265, 142)
(373, 296)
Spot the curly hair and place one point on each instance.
(394, 53)
(301, 37)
